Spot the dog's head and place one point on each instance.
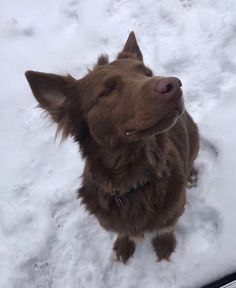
(117, 102)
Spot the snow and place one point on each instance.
(47, 238)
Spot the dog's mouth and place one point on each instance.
(160, 126)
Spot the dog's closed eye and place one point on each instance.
(107, 91)
(110, 85)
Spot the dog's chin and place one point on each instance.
(160, 126)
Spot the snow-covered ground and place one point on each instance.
(46, 238)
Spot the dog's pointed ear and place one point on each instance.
(131, 49)
(50, 90)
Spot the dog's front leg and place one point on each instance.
(124, 248)
(164, 243)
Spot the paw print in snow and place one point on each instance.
(186, 3)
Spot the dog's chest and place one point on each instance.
(135, 212)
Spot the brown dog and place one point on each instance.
(138, 142)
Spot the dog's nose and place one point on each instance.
(168, 85)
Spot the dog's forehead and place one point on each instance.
(126, 63)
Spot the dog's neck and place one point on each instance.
(130, 168)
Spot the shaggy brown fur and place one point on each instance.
(138, 141)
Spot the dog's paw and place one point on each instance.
(124, 248)
(164, 245)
